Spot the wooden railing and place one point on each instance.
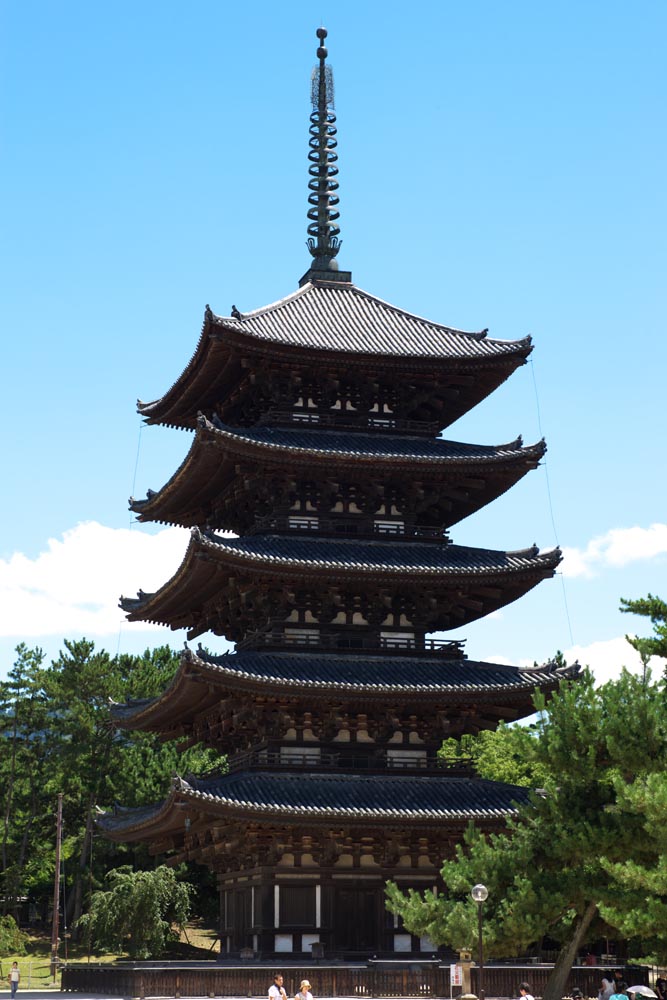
(359, 527)
(411, 978)
(310, 760)
(348, 419)
(344, 641)
(503, 980)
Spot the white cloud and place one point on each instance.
(73, 586)
(616, 548)
(605, 658)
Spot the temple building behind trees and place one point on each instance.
(319, 495)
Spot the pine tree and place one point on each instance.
(564, 863)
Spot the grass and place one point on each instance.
(196, 942)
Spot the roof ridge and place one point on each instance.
(475, 334)
(278, 303)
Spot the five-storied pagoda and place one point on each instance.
(319, 496)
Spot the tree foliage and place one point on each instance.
(642, 913)
(138, 912)
(655, 609)
(56, 735)
(580, 852)
(12, 940)
(504, 754)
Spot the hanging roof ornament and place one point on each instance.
(323, 242)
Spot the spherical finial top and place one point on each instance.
(322, 52)
(321, 33)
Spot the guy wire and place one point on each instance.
(132, 520)
(545, 465)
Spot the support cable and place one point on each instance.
(132, 521)
(545, 465)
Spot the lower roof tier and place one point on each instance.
(315, 799)
(202, 681)
(232, 586)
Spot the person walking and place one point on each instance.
(524, 990)
(14, 978)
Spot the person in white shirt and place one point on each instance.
(524, 990)
(14, 977)
(606, 989)
(277, 991)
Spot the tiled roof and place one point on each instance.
(473, 581)
(324, 674)
(342, 317)
(359, 445)
(372, 556)
(323, 797)
(400, 674)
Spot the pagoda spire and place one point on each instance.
(323, 242)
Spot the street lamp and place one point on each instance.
(479, 893)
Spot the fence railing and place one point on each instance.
(416, 978)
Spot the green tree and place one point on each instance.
(99, 764)
(643, 913)
(504, 754)
(57, 735)
(655, 609)
(553, 870)
(26, 769)
(138, 912)
(12, 940)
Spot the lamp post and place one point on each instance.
(479, 893)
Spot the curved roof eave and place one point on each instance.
(354, 799)
(420, 558)
(346, 319)
(356, 446)
(274, 554)
(230, 669)
(268, 443)
(413, 336)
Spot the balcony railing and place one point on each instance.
(311, 638)
(348, 418)
(359, 527)
(313, 760)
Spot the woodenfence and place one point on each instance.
(365, 982)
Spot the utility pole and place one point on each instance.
(56, 890)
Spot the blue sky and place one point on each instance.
(501, 166)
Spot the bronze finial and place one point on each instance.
(323, 241)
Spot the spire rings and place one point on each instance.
(323, 183)
(323, 242)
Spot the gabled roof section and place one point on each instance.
(327, 675)
(320, 798)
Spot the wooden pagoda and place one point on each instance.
(319, 495)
